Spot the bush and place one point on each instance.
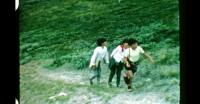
(168, 56)
(66, 31)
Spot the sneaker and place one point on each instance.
(130, 90)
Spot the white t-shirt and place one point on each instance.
(98, 55)
(118, 54)
(134, 54)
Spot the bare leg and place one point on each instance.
(130, 81)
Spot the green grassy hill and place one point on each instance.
(66, 30)
(55, 33)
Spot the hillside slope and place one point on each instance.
(66, 30)
(64, 85)
(57, 37)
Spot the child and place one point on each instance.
(117, 63)
(99, 55)
(131, 57)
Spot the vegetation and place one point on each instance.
(59, 32)
(66, 31)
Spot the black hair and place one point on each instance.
(132, 41)
(124, 41)
(100, 41)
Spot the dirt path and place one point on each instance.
(83, 95)
(147, 98)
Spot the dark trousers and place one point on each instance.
(96, 73)
(116, 68)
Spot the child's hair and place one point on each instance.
(132, 41)
(124, 41)
(100, 41)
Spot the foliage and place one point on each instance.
(66, 31)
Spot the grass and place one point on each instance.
(66, 31)
(163, 79)
(36, 88)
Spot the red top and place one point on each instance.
(122, 47)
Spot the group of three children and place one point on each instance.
(127, 55)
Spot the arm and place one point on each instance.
(114, 51)
(93, 58)
(107, 57)
(149, 57)
(146, 55)
(126, 53)
(126, 61)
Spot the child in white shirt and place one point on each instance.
(131, 57)
(99, 55)
(117, 62)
